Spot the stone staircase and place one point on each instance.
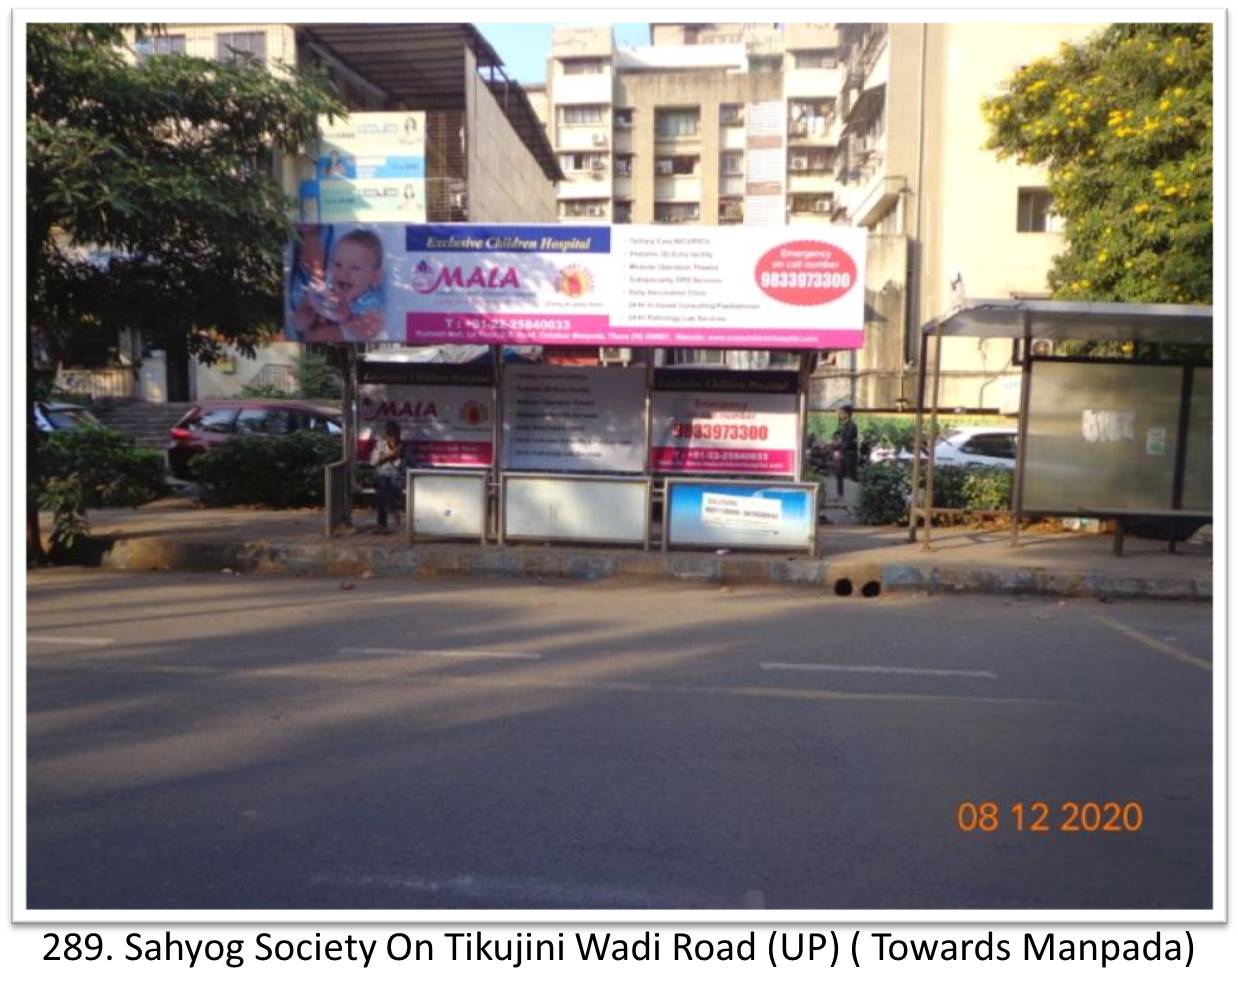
(149, 423)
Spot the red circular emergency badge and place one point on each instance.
(806, 272)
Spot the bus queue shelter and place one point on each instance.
(1115, 408)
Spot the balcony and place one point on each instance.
(813, 82)
(731, 185)
(810, 182)
(585, 185)
(677, 188)
(814, 130)
(583, 138)
(587, 88)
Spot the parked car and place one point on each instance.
(216, 423)
(989, 445)
(59, 416)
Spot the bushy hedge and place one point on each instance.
(885, 489)
(279, 471)
(110, 469)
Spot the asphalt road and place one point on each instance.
(214, 741)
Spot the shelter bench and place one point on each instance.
(1123, 516)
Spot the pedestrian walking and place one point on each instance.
(388, 462)
(846, 448)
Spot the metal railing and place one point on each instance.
(106, 382)
(281, 377)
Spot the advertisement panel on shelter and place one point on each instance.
(733, 514)
(566, 285)
(371, 166)
(574, 419)
(725, 422)
(445, 424)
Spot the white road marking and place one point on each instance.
(935, 673)
(512, 655)
(73, 641)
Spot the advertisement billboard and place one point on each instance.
(725, 422)
(736, 514)
(567, 285)
(576, 509)
(445, 420)
(371, 166)
(574, 419)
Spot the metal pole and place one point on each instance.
(496, 444)
(932, 447)
(1020, 455)
(915, 458)
(802, 414)
(350, 426)
(1184, 426)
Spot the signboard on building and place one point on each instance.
(370, 167)
(725, 422)
(446, 416)
(574, 419)
(632, 285)
(734, 514)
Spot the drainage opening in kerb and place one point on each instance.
(842, 586)
(871, 589)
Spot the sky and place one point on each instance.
(524, 47)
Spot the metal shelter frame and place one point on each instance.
(1023, 321)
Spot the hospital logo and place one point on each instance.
(427, 279)
(575, 281)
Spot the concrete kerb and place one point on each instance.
(846, 576)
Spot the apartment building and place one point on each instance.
(487, 158)
(709, 124)
(946, 218)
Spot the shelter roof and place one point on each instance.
(1085, 320)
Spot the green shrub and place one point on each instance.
(317, 377)
(886, 487)
(884, 490)
(65, 498)
(110, 469)
(988, 487)
(278, 471)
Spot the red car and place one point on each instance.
(214, 423)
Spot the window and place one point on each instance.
(264, 421)
(623, 165)
(159, 45)
(582, 209)
(1036, 211)
(731, 212)
(677, 123)
(214, 420)
(623, 212)
(811, 204)
(730, 115)
(584, 114)
(765, 63)
(732, 164)
(623, 118)
(231, 44)
(582, 162)
(698, 357)
(674, 213)
(1000, 445)
(817, 58)
(583, 67)
(676, 166)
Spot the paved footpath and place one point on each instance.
(175, 534)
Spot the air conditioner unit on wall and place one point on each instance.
(799, 162)
(599, 138)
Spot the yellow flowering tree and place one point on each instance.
(1123, 124)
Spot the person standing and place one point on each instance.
(388, 462)
(846, 448)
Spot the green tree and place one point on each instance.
(152, 197)
(1123, 123)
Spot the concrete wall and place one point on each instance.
(227, 380)
(505, 182)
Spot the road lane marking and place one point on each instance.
(72, 641)
(1154, 643)
(931, 672)
(513, 655)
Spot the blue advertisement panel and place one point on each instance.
(738, 514)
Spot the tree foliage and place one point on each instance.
(152, 199)
(1123, 123)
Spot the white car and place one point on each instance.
(989, 445)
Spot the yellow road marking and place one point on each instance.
(1154, 643)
